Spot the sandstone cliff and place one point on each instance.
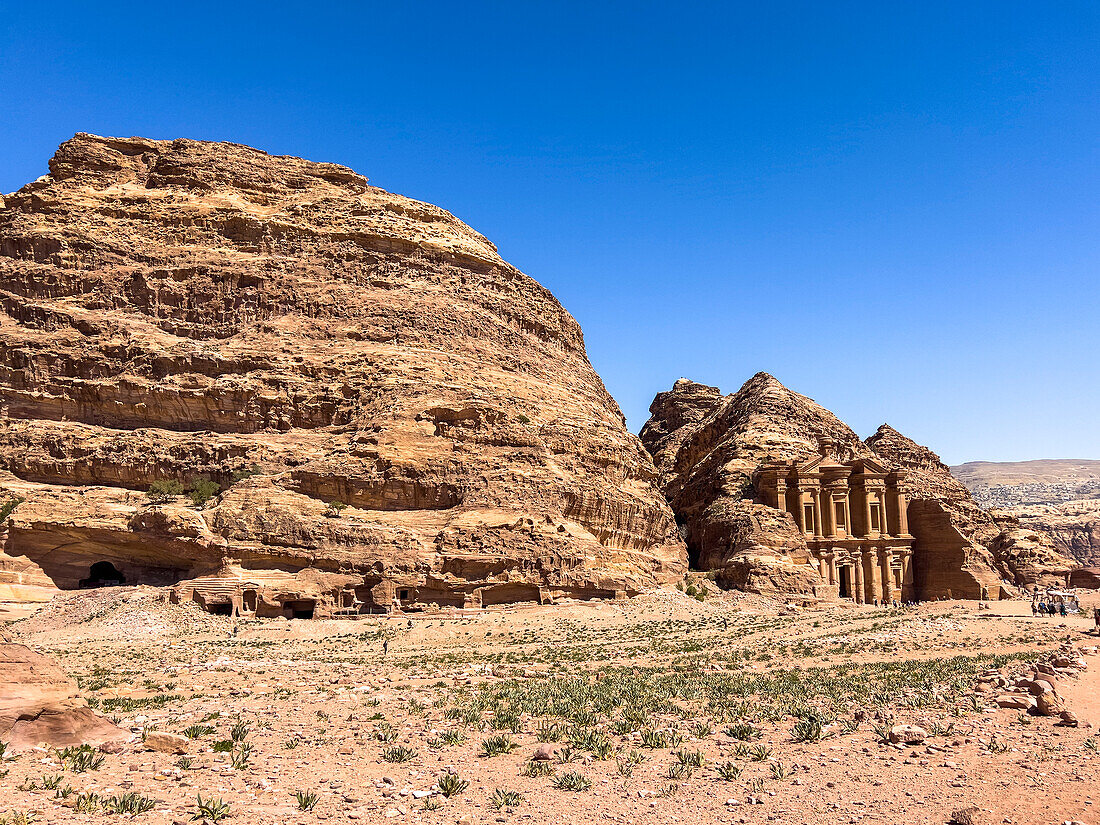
(181, 310)
(707, 448)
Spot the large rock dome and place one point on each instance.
(180, 311)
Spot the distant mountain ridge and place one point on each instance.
(1057, 497)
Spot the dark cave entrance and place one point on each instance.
(301, 608)
(102, 574)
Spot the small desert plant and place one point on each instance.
(655, 739)
(729, 771)
(223, 746)
(743, 731)
(87, 803)
(450, 784)
(692, 758)
(307, 800)
(496, 745)
(534, 768)
(807, 730)
(239, 732)
(198, 731)
(9, 507)
(214, 810)
(760, 753)
(548, 732)
(240, 757)
(502, 799)
(432, 803)
(81, 758)
(779, 770)
(572, 781)
(129, 803)
(334, 508)
(398, 753)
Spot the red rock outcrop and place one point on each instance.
(182, 310)
(40, 704)
(708, 447)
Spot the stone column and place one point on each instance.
(884, 522)
(903, 517)
(815, 496)
(781, 495)
(874, 574)
(887, 574)
(857, 569)
(828, 520)
(800, 514)
(866, 512)
(848, 514)
(833, 578)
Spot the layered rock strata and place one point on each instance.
(179, 311)
(711, 450)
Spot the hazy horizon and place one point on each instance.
(891, 210)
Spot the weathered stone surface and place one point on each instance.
(166, 742)
(908, 734)
(1049, 703)
(1030, 557)
(176, 310)
(40, 704)
(708, 447)
(974, 815)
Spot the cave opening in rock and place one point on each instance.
(220, 609)
(102, 574)
(301, 608)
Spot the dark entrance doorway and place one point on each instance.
(103, 574)
(845, 581)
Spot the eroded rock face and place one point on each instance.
(177, 310)
(708, 447)
(40, 704)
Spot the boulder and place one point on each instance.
(166, 742)
(544, 753)
(1015, 701)
(41, 705)
(908, 735)
(1049, 703)
(974, 815)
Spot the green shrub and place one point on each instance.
(164, 490)
(202, 490)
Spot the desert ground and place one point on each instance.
(659, 709)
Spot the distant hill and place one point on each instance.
(1043, 471)
(1058, 497)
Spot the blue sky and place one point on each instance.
(892, 207)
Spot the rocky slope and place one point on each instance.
(707, 447)
(181, 310)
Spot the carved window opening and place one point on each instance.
(839, 510)
(808, 515)
(876, 519)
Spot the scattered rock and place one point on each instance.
(908, 734)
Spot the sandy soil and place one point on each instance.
(626, 693)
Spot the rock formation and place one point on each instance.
(390, 411)
(710, 450)
(40, 704)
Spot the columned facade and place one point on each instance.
(853, 516)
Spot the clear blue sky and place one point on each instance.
(892, 207)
